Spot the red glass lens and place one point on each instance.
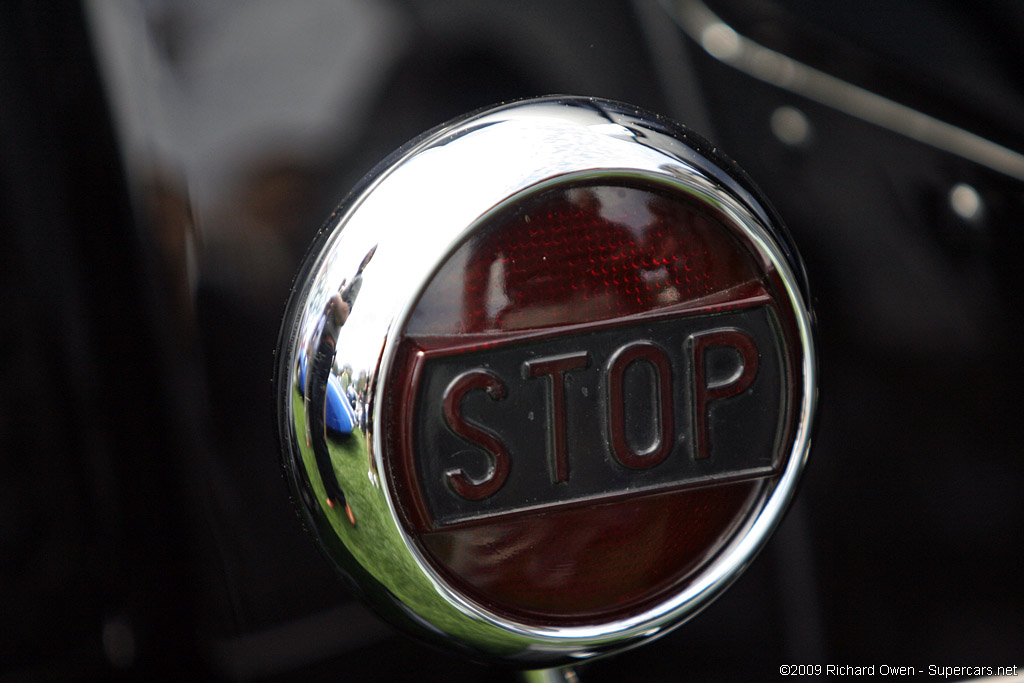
(552, 524)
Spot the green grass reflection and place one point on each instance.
(375, 542)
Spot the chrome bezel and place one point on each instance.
(448, 182)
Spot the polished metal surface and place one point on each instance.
(563, 675)
(363, 277)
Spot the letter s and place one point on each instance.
(498, 470)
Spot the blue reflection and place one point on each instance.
(340, 417)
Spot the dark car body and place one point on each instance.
(165, 166)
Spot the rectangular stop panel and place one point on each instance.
(619, 410)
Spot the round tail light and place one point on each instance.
(574, 354)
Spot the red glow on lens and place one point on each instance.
(581, 255)
(571, 565)
(558, 263)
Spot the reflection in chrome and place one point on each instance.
(724, 44)
(389, 238)
(563, 675)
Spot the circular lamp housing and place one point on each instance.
(546, 380)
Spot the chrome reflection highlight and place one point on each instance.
(356, 293)
(565, 675)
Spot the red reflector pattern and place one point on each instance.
(581, 254)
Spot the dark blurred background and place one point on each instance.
(165, 164)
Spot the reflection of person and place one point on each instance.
(336, 312)
(325, 341)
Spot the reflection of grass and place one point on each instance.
(376, 544)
